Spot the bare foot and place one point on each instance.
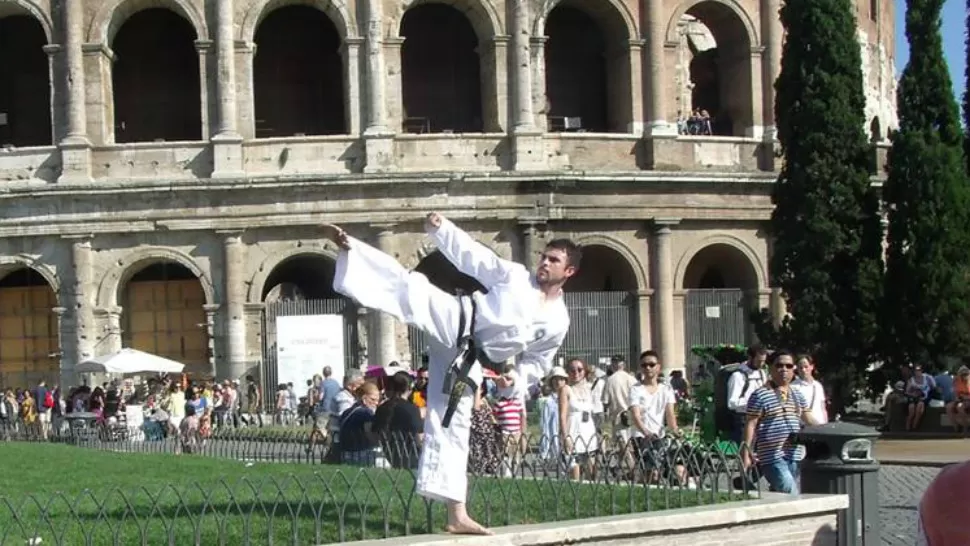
(337, 235)
(467, 526)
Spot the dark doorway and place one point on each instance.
(441, 77)
(298, 75)
(576, 84)
(156, 79)
(25, 94)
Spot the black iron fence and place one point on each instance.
(320, 498)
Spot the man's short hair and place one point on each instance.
(573, 251)
(649, 352)
(757, 350)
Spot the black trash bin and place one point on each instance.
(839, 460)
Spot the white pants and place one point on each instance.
(378, 281)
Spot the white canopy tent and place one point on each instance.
(129, 361)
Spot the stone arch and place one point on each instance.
(114, 13)
(28, 7)
(480, 13)
(607, 241)
(9, 264)
(750, 260)
(258, 281)
(733, 5)
(336, 10)
(613, 14)
(125, 268)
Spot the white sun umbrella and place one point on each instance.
(128, 361)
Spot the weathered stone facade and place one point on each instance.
(88, 213)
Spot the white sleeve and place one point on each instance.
(471, 257)
(734, 387)
(536, 362)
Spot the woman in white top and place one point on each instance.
(576, 427)
(811, 389)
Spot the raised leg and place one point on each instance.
(378, 281)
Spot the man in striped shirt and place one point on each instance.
(775, 414)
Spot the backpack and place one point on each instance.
(723, 416)
(48, 400)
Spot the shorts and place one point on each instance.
(578, 459)
(651, 453)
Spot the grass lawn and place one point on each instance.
(70, 495)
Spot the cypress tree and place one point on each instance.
(927, 315)
(827, 254)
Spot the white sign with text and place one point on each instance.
(307, 343)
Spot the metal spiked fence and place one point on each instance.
(528, 480)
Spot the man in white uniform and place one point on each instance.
(522, 314)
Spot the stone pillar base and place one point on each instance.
(75, 161)
(660, 152)
(528, 151)
(379, 149)
(227, 156)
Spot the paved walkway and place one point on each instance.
(907, 468)
(922, 452)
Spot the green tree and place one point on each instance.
(927, 316)
(827, 254)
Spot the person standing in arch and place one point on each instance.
(522, 314)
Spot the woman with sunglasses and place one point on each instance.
(576, 427)
(775, 414)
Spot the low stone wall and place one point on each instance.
(779, 520)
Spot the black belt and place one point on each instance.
(457, 377)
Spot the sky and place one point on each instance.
(954, 17)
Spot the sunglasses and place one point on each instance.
(785, 366)
(649, 364)
(576, 370)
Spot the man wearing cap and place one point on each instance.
(522, 315)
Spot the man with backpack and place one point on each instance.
(744, 380)
(45, 403)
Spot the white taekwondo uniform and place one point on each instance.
(512, 320)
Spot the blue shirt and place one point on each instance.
(328, 394)
(39, 395)
(944, 383)
(779, 419)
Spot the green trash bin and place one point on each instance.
(839, 460)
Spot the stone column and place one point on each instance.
(211, 311)
(382, 338)
(204, 47)
(523, 115)
(75, 147)
(636, 125)
(772, 36)
(664, 290)
(67, 375)
(245, 107)
(373, 47)
(644, 298)
(99, 105)
(532, 243)
(658, 124)
(84, 331)
(227, 156)
(538, 70)
(378, 137)
(527, 139)
(351, 56)
(235, 312)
